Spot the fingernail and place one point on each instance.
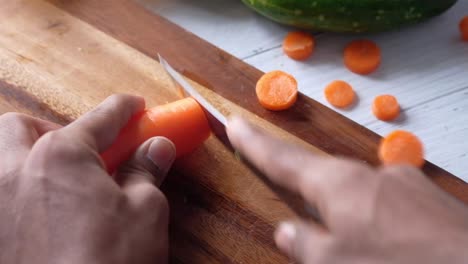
(162, 153)
(285, 235)
(287, 231)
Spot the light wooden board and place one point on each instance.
(424, 66)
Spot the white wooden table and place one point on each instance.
(424, 66)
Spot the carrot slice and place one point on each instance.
(386, 107)
(183, 122)
(401, 147)
(464, 28)
(276, 90)
(362, 56)
(340, 94)
(298, 45)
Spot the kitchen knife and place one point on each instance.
(218, 124)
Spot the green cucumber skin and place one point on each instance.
(353, 16)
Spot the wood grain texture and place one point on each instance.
(58, 59)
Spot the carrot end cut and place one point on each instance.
(277, 90)
(464, 28)
(298, 45)
(401, 148)
(340, 94)
(386, 107)
(362, 56)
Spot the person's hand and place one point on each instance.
(59, 205)
(386, 215)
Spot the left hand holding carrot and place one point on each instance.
(59, 204)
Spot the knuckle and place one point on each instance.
(155, 200)
(104, 112)
(52, 140)
(350, 172)
(56, 145)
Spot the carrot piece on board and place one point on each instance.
(362, 56)
(386, 107)
(276, 90)
(340, 94)
(401, 147)
(464, 28)
(298, 45)
(183, 122)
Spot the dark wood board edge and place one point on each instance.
(131, 23)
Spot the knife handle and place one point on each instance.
(183, 122)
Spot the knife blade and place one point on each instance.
(216, 119)
(218, 123)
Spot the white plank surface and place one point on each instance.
(424, 66)
(227, 24)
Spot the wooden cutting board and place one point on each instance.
(58, 59)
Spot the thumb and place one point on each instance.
(150, 162)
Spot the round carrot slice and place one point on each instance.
(464, 28)
(340, 94)
(298, 45)
(386, 107)
(401, 147)
(362, 56)
(277, 90)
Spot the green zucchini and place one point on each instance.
(349, 15)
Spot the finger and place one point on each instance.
(101, 126)
(19, 132)
(149, 164)
(21, 129)
(280, 161)
(146, 170)
(318, 179)
(299, 239)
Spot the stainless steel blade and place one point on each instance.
(192, 92)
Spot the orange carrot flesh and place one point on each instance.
(362, 56)
(276, 90)
(183, 122)
(464, 28)
(340, 94)
(401, 148)
(386, 107)
(298, 45)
